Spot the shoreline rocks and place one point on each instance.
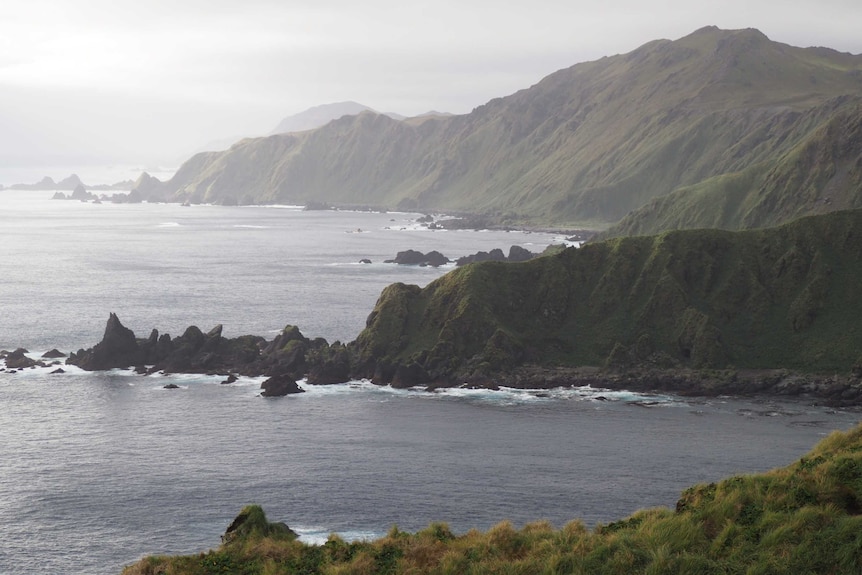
(291, 356)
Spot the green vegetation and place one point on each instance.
(804, 518)
(785, 297)
(821, 174)
(714, 113)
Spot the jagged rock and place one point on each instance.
(58, 370)
(287, 352)
(17, 360)
(53, 354)
(230, 379)
(171, 386)
(365, 261)
(81, 193)
(280, 385)
(118, 348)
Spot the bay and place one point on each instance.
(98, 469)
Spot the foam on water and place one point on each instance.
(320, 535)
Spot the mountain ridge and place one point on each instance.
(589, 143)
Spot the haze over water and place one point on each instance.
(99, 469)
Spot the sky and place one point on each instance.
(149, 82)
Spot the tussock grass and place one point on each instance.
(803, 518)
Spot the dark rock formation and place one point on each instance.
(519, 254)
(17, 360)
(415, 258)
(365, 261)
(171, 386)
(53, 354)
(196, 352)
(516, 254)
(280, 385)
(329, 365)
(118, 348)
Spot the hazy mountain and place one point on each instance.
(587, 144)
(321, 115)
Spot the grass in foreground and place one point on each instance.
(804, 518)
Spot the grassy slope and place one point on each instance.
(804, 518)
(588, 143)
(822, 173)
(783, 297)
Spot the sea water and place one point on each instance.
(98, 469)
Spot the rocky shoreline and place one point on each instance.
(291, 356)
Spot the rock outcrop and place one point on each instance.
(17, 360)
(118, 348)
(516, 254)
(416, 258)
(280, 385)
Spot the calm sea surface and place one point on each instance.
(97, 470)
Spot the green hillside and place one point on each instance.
(585, 145)
(821, 174)
(785, 297)
(804, 518)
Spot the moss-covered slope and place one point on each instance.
(785, 297)
(804, 518)
(585, 145)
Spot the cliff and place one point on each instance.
(784, 297)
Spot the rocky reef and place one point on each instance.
(709, 312)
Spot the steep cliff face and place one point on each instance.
(587, 144)
(785, 297)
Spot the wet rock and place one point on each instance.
(118, 348)
(17, 360)
(53, 354)
(280, 385)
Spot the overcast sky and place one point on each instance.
(150, 81)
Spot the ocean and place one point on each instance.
(99, 469)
